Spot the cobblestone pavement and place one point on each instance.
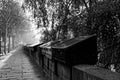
(17, 66)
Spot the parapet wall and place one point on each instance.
(87, 72)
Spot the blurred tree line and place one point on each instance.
(65, 19)
(12, 20)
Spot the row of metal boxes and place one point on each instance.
(34, 51)
(81, 50)
(49, 65)
(58, 57)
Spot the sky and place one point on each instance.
(19, 1)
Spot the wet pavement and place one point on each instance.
(17, 66)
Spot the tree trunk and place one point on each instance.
(4, 45)
(0, 42)
(5, 40)
(9, 44)
(12, 42)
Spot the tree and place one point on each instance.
(56, 12)
(12, 19)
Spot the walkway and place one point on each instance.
(17, 66)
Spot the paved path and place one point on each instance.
(17, 66)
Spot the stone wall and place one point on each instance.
(87, 72)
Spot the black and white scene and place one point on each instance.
(59, 39)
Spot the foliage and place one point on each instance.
(12, 20)
(11, 17)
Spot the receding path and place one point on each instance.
(17, 66)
